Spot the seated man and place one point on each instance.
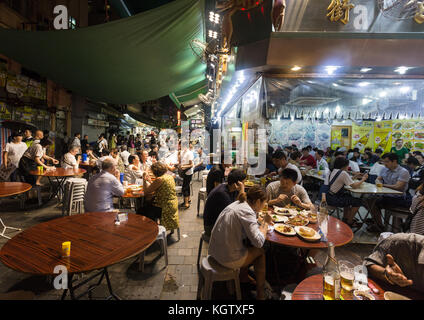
(133, 172)
(105, 154)
(279, 159)
(286, 191)
(69, 161)
(399, 260)
(216, 175)
(200, 161)
(102, 188)
(222, 196)
(307, 159)
(393, 176)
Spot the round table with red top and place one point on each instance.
(8, 189)
(96, 243)
(60, 174)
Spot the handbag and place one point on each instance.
(6, 172)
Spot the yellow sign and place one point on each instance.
(363, 136)
(383, 135)
(336, 138)
(339, 10)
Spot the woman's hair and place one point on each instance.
(340, 163)
(158, 169)
(46, 142)
(295, 155)
(253, 194)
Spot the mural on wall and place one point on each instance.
(299, 133)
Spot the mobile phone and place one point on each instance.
(366, 172)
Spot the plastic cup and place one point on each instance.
(66, 249)
(40, 169)
(121, 178)
(84, 157)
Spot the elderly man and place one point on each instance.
(286, 191)
(102, 188)
(69, 160)
(399, 260)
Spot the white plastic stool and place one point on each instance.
(201, 196)
(164, 248)
(211, 271)
(73, 199)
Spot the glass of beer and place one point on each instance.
(265, 208)
(347, 276)
(378, 184)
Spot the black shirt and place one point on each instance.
(216, 174)
(217, 200)
(84, 144)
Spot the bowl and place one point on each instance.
(388, 295)
(360, 295)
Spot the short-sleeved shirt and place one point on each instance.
(36, 150)
(236, 223)
(216, 174)
(407, 250)
(69, 161)
(217, 200)
(400, 153)
(273, 190)
(354, 166)
(392, 176)
(322, 164)
(309, 160)
(132, 175)
(342, 180)
(101, 189)
(185, 160)
(15, 152)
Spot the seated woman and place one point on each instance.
(367, 159)
(165, 203)
(417, 209)
(32, 158)
(237, 238)
(337, 196)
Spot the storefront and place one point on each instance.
(328, 83)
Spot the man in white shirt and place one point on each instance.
(200, 161)
(102, 143)
(76, 142)
(124, 155)
(102, 188)
(13, 153)
(133, 172)
(187, 164)
(322, 164)
(69, 160)
(279, 159)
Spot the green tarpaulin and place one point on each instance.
(131, 60)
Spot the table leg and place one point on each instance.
(2, 234)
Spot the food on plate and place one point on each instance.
(408, 135)
(312, 217)
(419, 145)
(397, 126)
(306, 232)
(397, 135)
(408, 145)
(419, 135)
(249, 183)
(298, 221)
(282, 228)
(281, 210)
(278, 218)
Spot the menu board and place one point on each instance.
(363, 135)
(412, 133)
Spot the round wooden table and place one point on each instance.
(96, 243)
(339, 233)
(311, 289)
(60, 174)
(8, 189)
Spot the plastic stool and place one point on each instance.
(164, 248)
(211, 271)
(201, 196)
(205, 238)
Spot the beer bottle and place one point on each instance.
(331, 276)
(323, 205)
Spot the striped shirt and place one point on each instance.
(417, 223)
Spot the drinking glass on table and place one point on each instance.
(378, 184)
(347, 275)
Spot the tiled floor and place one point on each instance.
(177, 281)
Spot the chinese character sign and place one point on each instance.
(338, 10)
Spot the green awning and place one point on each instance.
(189, 95)
(131, 60)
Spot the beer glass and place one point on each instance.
(347, 275)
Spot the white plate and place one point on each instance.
(293, 233)
(314, 238)
(305, 213)
(282, 211)
(388, 295)
(279, 218)
(306, 221)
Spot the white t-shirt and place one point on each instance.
(15, 151)
(354, 166)
(69, 161)
(124, 156)
(342, 180)
(186, 158)
(322, 163)
(376, 169)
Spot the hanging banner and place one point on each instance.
(383, 135)
(363, 136)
